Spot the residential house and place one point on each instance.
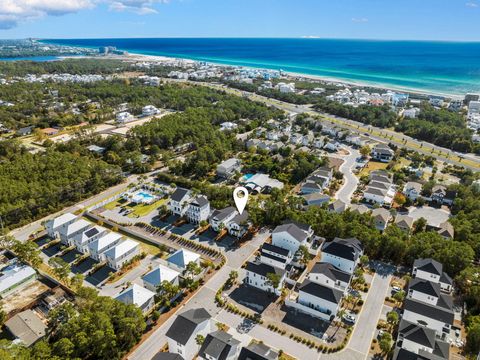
(317, 181)
(359, 209)
(259, 276)
(25, 131)
(432, 270)
(182, 257)
(316, 199)
(412, 190)
(441, 195)
(324, 300)
(219, 345)
(342, 253)
(434, 317)
(150, 110)
(446, 230)
(14, 277)
(338, 206)
(416, 341)
(258, 351)
(153, 279)
(411, 113)
(198, 210)
(239, 225)
(381, 217)
(53, 226)
(228, 168)
(404, 222)
(262, 183)
(26, 327)
(124, 117)
(69, 232)
(382, 152)
(139, 296)
(275, 256)
(167, 356)
(182, 334)
(121, 253)
(291, 236)
(49, 131)
(179, 201)
(375, 195)
(98, 247)
(332, 146)
(220, 218)
(84, 239)
(328, 275)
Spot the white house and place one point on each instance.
(198, 210)
(99, 246)
(84, 239)
(291, 236)
(382, 152)
(228, 168)
(54, 226)
(275, 256)
(181, 336)
(179, 201)
(239, 225)
(381, 217)
(342, 253)
(124, 117)
(14, 277)
(258, 276)
(411, 113)
(432, 270)
(375, 195)
(118, 255)
(181, 258)
(420, 341)
(220, 218)
(139, 296)
(158, 275)
(150, 110)
(434, 317)
(412, 190)
(323, 299)
(424, 290)
(68, 233)
(328, 275)
(219, 345)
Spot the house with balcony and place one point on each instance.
(139, 296)
(69, 232)
(291, 236)
(228, 168)
(259, 276)
(84, 239)
(198, 210)
(344, 254)
(121, 253)
(328, 275)
(59, 224)
(98, 247)
(220, 218)
(154, 278)
(179, 201)
(182, 334)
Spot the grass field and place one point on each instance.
(372, 166)
(145, 209)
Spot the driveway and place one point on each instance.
(351, 181)
(433, 216)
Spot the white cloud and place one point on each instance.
(14, 11)
(471, 4)
(360, 20)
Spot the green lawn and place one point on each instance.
(145, 209)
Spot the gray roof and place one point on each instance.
(185, 324)
(257, 351)
(218, 345)
(345, 248)
(331, 272)
(200, 200)
(321, 292)
(404, 220)
(167, 356)
(179, 194)
(417, 333)
(425, 287)
(337, 205)
(430, 311)
(27, 327)
(223, 213)
(275, 249)
(297, 233)
(263, 269)
(375, 191)
(429, 265)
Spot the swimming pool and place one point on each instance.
(143, 197)
(246, 177)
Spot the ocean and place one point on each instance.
(438, 67)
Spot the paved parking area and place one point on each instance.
(433, 216)
(52, 250)
(70, 256)
(84, 266)
(99, 276)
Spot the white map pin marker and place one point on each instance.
(240, 195)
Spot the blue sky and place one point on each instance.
(368, 19)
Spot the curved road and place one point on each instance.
(351, 180)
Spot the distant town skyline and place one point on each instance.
(447, 20)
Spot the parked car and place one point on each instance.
(349, 318)
(396, 289)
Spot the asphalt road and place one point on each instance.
(351, 180)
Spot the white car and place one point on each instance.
(396, 289)
(349, 318)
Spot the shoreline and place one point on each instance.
(288, 74)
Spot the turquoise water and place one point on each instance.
(31, 58)
(246, 177)
(445, 67)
